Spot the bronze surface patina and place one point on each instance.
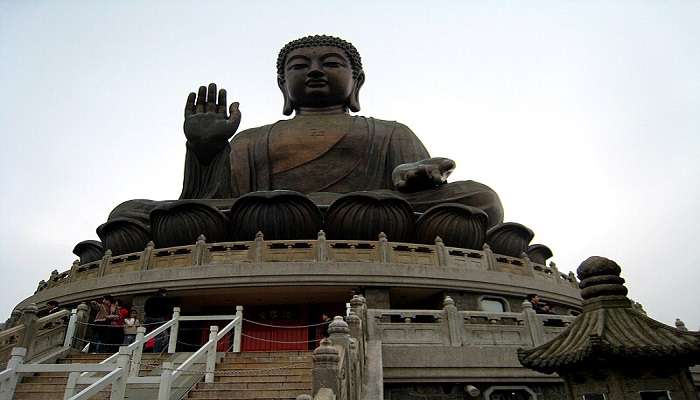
(322, 152)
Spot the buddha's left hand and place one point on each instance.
(422, 175)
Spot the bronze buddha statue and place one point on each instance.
(322, 152)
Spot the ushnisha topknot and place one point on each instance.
(318, 41)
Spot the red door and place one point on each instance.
(275, 328)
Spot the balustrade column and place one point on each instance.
(7, 388)
(238, 330)
(147, 255)
(455, 322)
(441, 250)
(119, 385)
(29, 319)
(384, 256)
(211, 355)
(106, 259)
(82, 317)
(172, 343)
(71, 329)
(200, 249)
(138, 351)
(534, 326)
(322, 247)
(325, 367)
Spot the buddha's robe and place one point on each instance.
(321, 156)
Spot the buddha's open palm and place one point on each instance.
(208, 125)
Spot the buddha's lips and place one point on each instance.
(316, 83)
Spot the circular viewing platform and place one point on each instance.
(320, 262)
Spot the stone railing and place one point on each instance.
(450, 327)
(319, 250)
(37, 335)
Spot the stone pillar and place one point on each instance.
(82, 318)
(259, 246)
(384, 256)
(680, 325)
(15, 316)
(322, 247)
(325, 367)
(533, 323)
(106, 259)
(200, 249)
(73, 271)
(441, 250)
(28, 319)
(147, 255)
(490, 259)
(455, 322)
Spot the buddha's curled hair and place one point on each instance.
(318, 41)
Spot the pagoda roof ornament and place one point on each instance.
(610, 331)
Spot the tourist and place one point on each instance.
(106, 312)
(538, 305)
(131, 323)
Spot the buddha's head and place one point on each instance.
(317, 72)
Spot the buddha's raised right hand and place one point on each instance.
(208, 127)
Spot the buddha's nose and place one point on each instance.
(315, 73)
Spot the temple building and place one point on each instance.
(326, 257)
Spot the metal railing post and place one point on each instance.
(211, 354)
(172, 344)
(138, 351)
(119, 385)
(166, 376)
(70, 331)
(7, 391)
(238, 330)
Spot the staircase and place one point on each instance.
(260, 376)
(51, 385)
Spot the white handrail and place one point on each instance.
(205, 347)
(97, 386)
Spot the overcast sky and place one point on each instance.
(583, 116)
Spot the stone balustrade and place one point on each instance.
(478, 328)
(319, 250)
(38, 335)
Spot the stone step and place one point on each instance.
(255, 385)
(305, 378)
(258, 365)
(246, 394)
(257, 372)
(54, 396)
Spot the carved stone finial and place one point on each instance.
(259, 236)
(352, 318)
(151, 244)
(321, 235)
(325, 355)
(108, 253)
(304, 397)
(438, 241)
(30, 308)
(486, 247)
(680, 325)
(526, 305)
(201, 239)
(600, 276)
(357, 301)
(83, 307)
(76, 262)
(448, 301)
(338, 326)
(382, 237)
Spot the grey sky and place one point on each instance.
(583, 116)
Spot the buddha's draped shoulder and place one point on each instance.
(321, 154)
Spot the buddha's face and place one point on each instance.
(318, 77)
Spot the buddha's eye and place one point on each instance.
(332, 64)
(297, 66)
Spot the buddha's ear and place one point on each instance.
(288, 107)
(354, 100)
